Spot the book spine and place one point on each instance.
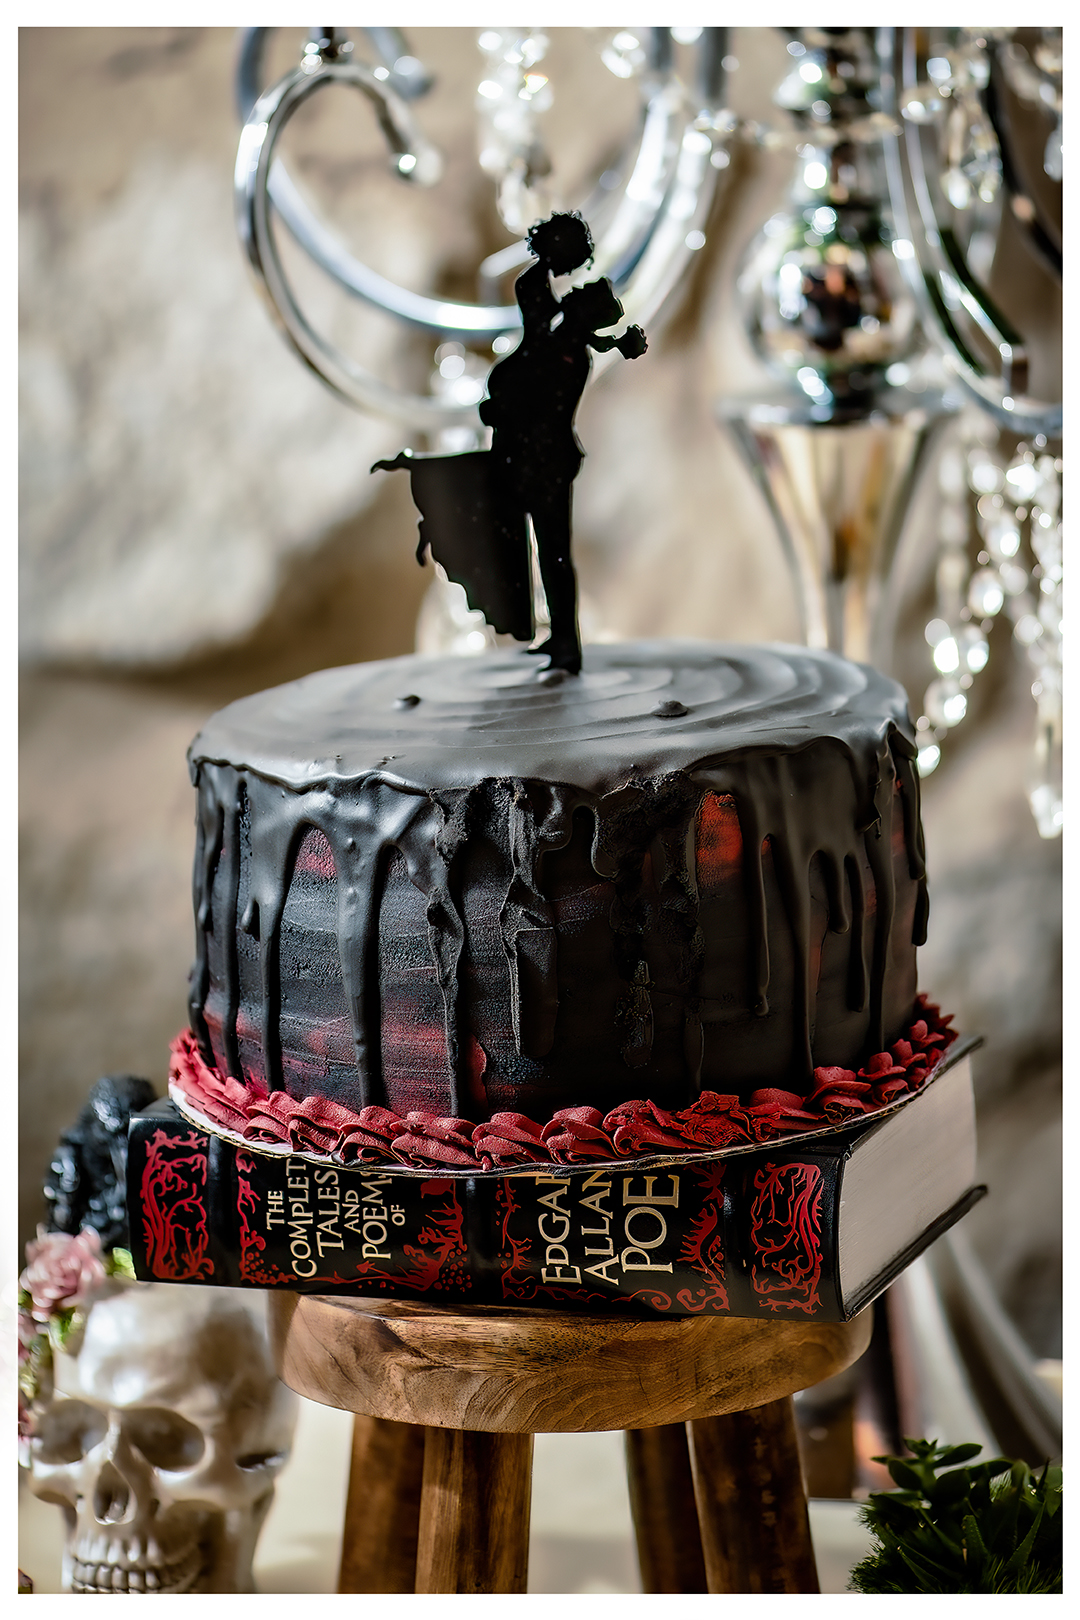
(781, 1231)
(182, 1222)
(749, 1236)
(203, 1211)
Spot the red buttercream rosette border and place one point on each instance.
(580, 1135)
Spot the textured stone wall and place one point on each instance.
(178, 462)
(174, 456)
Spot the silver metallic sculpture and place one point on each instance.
(838, 448)
(951, 168)
(955, 166)
(161, 1440)
(647, 216)
(867, 299)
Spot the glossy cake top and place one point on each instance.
(638, 709)
(469, 779)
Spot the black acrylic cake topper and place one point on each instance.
(474, 506)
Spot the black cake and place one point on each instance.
(469, 888)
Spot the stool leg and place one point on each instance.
(382, 1509)
(474, 1512)
(664, 1510)
(755, 1527)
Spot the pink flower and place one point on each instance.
(61, 1270)
(28, 1332)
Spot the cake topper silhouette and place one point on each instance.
(475, 507)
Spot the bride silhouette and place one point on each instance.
(532, 397)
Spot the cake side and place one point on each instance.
(719, 886)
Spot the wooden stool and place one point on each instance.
(447, 1400)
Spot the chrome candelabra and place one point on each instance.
(867, 299)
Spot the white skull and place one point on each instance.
(161, 1440)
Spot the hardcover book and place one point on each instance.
(815, 1229)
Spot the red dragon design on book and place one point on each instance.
(785, 1236)
(173, 1214)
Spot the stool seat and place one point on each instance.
(447, 1399)
(518, 1371)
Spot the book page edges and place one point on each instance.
(906, 1173)
(877, 1285)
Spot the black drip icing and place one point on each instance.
(809, 747)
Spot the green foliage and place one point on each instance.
(35, 1369)
(66, 1328)
(985, 1527)
(118, 1263)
